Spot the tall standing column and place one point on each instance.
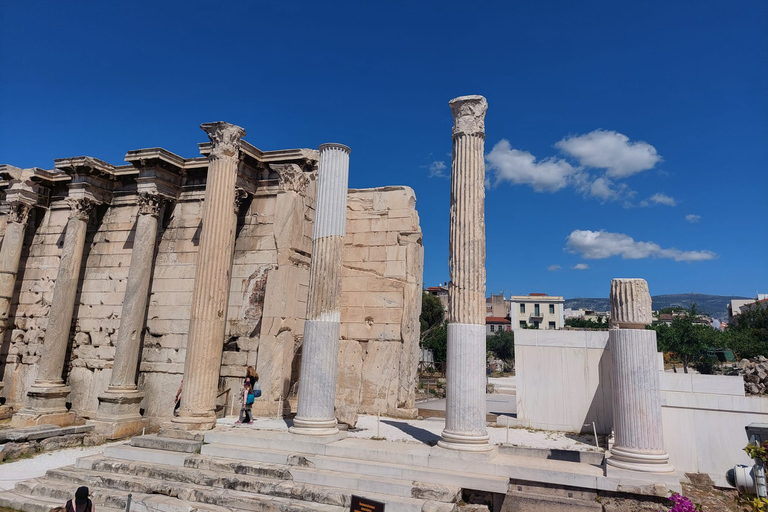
(10, 255)
(46, 399)
(118, 414)
(320, 351)
(210, 296)
(638, 437)
(465, 376)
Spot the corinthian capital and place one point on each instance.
(150, 204)
(80, 208)
(225, 138)
(291, 176)
(469, 115)
(19, 212)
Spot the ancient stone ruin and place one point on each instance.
(117, 281)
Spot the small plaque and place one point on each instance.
(360, 504)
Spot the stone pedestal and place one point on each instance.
(210, 296)
(465, 426)
(638, 430)
(320, 351)
(118, 414)
(46, 399)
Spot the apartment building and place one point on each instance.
(536, 311)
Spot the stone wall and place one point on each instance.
(380, 304)
(267, 302)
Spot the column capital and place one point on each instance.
(19, 212)
(151, 204)
(292, 177)
(225, 138)
(80, 208)
(630, 304)
(469, 115)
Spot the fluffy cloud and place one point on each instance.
(553, 268)
(659, 198)
(693, 218)
(581, 266)
(594, 245)
(521, 168)
(437, 170)
(611, 151)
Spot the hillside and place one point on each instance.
(714, 305)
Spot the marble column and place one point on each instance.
(320, 351)
(118, 414)
(210, 297)
(638, 433)
(465, 426)
(46, 399)
(10, 255)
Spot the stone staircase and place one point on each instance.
(235, 472)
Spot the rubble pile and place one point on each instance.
(755, 373)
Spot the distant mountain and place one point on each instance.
(714, 305)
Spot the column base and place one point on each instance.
(465, 442)
(313, 427)
(202, 422)
(639, 460)
(118, 414)
(45, 405)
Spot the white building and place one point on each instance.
(536, 311)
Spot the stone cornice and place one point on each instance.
(225, 139)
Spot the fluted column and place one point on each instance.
(210, 296)
(118, 414)
(638, 434)
(46, 399)
(10, 255)
(320, 351)
(465, 376)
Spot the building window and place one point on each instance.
(522, 308)
(536, 325)
(492, 328)
(522, 324)
(536, 311)
(552, 325)
(551, 309)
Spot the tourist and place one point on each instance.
(251, 390)
(82, 503)
(178, 399)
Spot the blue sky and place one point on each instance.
(623, 140)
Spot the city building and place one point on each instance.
(536, 311)
(494, 324)
(736, 306)
(497, 305)
(441, 292)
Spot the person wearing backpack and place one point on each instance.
(81, 503)
(251, 390)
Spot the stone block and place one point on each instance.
(348, 382)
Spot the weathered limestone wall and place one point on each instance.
(381, 295)
(380, 304)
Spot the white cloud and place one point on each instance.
(659, 198)
(521, 168)
(581, 266)
(553, 268)
(612, 151)
(594, 245)
(693, 218)
(437, 169)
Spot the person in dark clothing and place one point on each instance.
(81, 502)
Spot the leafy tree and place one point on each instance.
(747, 334)
(582, 323)
(434, 332)
(685, 338)
(502, 344)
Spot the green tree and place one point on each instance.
(747, 334)
(685, 338)
(434, 333)
(501, 344)
(582, 323)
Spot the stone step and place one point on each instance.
(272, 440)
(317, 486)
(180, 498)
(365, 467)
(128, 452)
(26, 503)
(170, 444)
